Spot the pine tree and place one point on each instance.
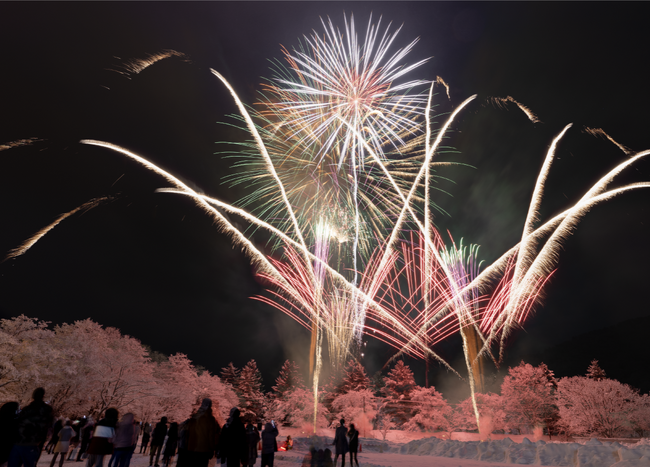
(549, 374)
(230, 375)
(288, 380)
(251, 397)
(333, 388)
(399, 385)
(399, 382)
(377, 383)
(595, 372)
(355, 378)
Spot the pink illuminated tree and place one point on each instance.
(431, 410)
(354, 378)
(595, 372)
(528, 395)
(356, 406)
(491, 411)
(249, 387)
(28, 358)
(605, 408)
(399, 385)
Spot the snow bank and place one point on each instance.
(591, 453)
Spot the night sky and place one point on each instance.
(156, 267)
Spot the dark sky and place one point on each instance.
(156, 267)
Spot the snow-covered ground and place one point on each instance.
(414, 449)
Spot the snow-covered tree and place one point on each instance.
(230, 375)
(354, 377)
(288, 379)
(179, 389)
(431, 411)
(249, 388)
(222, 395)
(27, 357)
(491, 413)
(640, 418)
(603, 408)
(298, 409)
(377, 383)
(175, 391)
(86, 368)
(356, 406)
(528, 396)
(333, 388)
(384, 421)
(287, 382)
(399, 385)
(595, 372)
(113, 370)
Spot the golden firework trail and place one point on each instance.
(29, 243)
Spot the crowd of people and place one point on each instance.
(26, 433)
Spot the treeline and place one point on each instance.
(86, 368)
(531, 399)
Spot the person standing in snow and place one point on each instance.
(269, 443)
(198, 437)
(353, 434)
(341, 442)
(125, 441)
(86, 434)
(170, 446)
(8, 429)
(232, 443)
(33, 423)
(58, 425)
(252, 438)
(157, 440)
(101, 443)
(146, 435)
(65, 434)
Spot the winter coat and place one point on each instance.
(353, 434)
(8, 429)
(172, 440)
(159, 433)
(125, 434)
(101, 442)
(203, 432)
(64, 435)
(269, 444)
(33, 423)
(252, 438)
(233, 447)
(146, 434)
(58, 425)
(87, 431)
(341, 440)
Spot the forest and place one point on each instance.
(86, 368)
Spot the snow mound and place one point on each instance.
(540, 453)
